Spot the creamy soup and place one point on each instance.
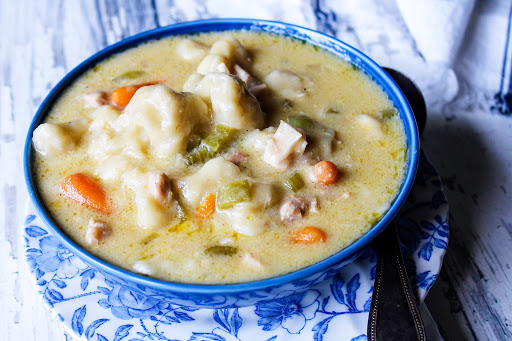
(219, 158)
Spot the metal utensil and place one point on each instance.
(394, 314)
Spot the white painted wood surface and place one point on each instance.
(472, 147)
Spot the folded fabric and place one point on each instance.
(438, 26)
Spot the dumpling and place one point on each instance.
(54, 139)
(207, 179)
(285, 83)
(232, 104)
(191, 50)
(230, 48)
(164, 116)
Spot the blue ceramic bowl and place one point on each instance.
(233, 295)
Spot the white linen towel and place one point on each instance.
(437, 27)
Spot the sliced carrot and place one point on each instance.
(207, 207)
(120, 97)
(84, 190)
(325, 172)
(309, 235)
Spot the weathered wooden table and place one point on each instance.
(42, 40)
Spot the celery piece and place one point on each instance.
(234, 193)
(208, 147)
(218, 137)
(223, 250)
(302, 122)
(129, 76)
(199, 155)
(295, 182)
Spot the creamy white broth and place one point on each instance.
(369, 153)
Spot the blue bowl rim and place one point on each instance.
(228, 24)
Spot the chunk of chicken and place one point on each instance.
(95, 99)
(292, 209)
(285, 146)
(255, 87)
(97, 231)
(232, 103)
(191, 50)
(285, 83)
(238, 158)
(295, 207)
(258, 90)
(160, 187)
(243, 74)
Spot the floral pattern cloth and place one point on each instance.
(95, 308)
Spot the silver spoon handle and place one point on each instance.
(394, 314)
